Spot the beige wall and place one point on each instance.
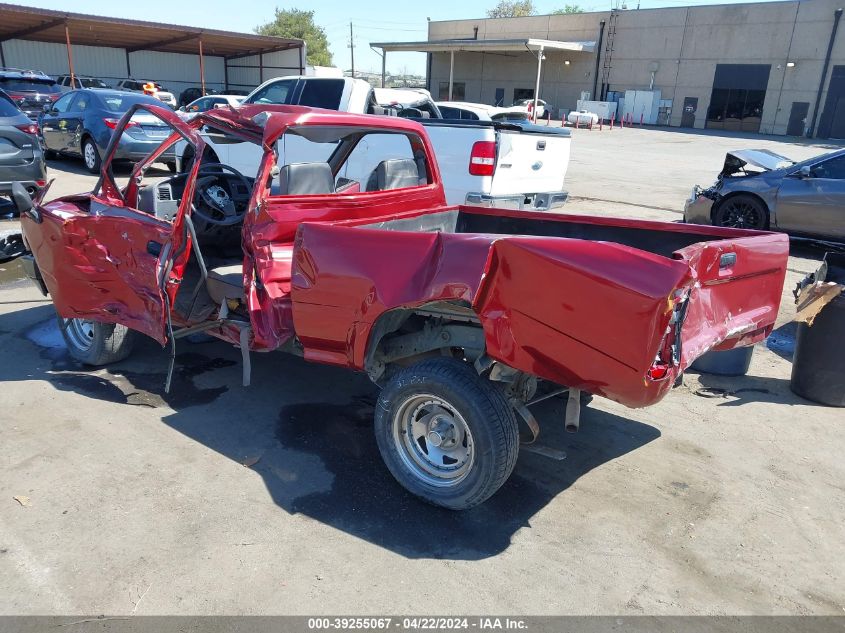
(684, 43)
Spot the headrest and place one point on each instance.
(397, 173)
(302, 179)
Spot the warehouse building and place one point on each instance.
(773, 67)
(111, 49)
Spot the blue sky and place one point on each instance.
(373, 21)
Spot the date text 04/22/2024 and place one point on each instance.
(417, 623)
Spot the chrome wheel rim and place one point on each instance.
(80, 332)
(741, 215)
(433, 440)
(90, 156)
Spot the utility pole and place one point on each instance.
(352, 49)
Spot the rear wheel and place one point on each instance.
(91, 155)
(446, 434)
(95, 343)
(742, 212)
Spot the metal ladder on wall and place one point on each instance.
(608, 53)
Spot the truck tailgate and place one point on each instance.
(529, 162)
(736, 294)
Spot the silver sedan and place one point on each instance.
(758, 189)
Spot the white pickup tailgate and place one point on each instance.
(452, 148)
(529, 163)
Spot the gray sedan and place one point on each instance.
(759, 189)
(81, 122)
(20, 154)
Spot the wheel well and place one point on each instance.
(734, 194)
(405, 335)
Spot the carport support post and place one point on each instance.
(69, 57)
(202, 69)
(451, 72)
(537, 84)
(383, 67)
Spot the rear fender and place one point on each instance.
(581, 314)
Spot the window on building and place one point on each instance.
(458, 91)
(739, 91)
(522, 94)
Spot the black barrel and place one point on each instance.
(818, 365)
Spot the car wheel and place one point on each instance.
(742, 212)
(447, 435)
(94, 343)
(91, 156)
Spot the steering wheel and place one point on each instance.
(213, 202)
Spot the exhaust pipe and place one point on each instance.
(573, 411)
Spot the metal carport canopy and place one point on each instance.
(64, 27)
(533, 45)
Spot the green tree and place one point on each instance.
(512, 9)
(300, 24)
(569, 8)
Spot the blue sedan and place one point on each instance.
(81, 123)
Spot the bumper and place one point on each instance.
(30, 174)
(698, 208)
(136, 149)
(521, 202)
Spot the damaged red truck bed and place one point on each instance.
(465, 316)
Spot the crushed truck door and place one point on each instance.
(102, 258)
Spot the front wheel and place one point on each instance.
(94, 343)
(741, 212)
(447, 435)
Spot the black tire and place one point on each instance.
(742, 212)
(91, 155)
(453, 394)
(94, 343)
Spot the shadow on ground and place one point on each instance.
(307, 430)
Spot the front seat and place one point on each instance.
(395, 173)
(226, 282)
(303, 179)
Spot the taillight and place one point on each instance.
(29, 128)
(658, 371)
(482, 159)
(112, 123)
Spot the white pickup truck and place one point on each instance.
(505, 164)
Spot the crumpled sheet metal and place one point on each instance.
(736, 305)
(592, 315)
(113, 279)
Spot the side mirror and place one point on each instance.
(182, 109)
(21, 198)
(805, 172)
(48, 107)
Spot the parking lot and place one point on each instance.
(273, 499)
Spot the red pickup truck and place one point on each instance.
(464, 316)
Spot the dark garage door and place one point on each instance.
(739, 91)
(832, 120)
